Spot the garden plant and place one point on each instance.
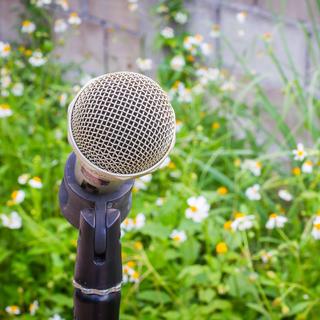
(228, 228)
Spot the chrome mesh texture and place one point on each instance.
(123, 123)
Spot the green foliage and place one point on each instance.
(227, 265)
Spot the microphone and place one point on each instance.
(121, 126)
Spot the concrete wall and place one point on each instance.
(112, 37)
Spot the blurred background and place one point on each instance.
(229, 227)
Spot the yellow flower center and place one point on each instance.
(317, 226)
(176, 238)
(26, 23)
(222, 191)
(28, 52)
(273, 215)
(267, 36)
(138, 245)
(221, 248)
(172, 165)
(198, 37)
(227, 225)
(194, 208)
(300, 153)
(296, 171)
(4, 106)
(190, 58)
(176, 85)
(238, 215)
(37, 179)
(7, 48)
(216, 27)
(215, 125)
(73, 15)
(309, 163)
(136, 275)
(131, 264)
(14, 195)
(14, 308)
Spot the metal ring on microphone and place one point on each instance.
(98, 292)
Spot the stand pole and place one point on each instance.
(98, 269)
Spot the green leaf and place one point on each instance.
(157, 297)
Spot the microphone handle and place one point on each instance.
(98, 270)
(94, 307)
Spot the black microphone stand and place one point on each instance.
(98, 269)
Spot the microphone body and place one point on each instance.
(121, 126)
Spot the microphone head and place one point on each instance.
(121, 126)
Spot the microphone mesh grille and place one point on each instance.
(123, 123)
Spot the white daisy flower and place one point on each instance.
(74, 19)
(144, 64)
(208, 75)
(60, 26)
(299, 153)
(56, 317)
(184, 94)
(128, 270)
(165, 163)
(276, 221)
(28, 26)
(177, 63)
(5, 111)
(139, 221)
(133, 5)
(198, 209)
(285, 195)
(17, 197)
(253, 193)
(35, 183)
(242, 222)
(135, 277)
(179, 125)
(181, 17)
(307, 166)
(37, 59)
(228, 85)
(215, 32)
(205, 48)
(142, 182)
(253, 166)
(5, 49)
(63, 4)
(13, 310)
(23, 179)
(178, 236)
(159, 202)
(63, 99)
(5, 81)
(316, 231)
(17, 89)
(266, 256)
(42, 3)
(12, 221)
(34, 306)
(127, 224)
(242, 17)
(167, 33)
